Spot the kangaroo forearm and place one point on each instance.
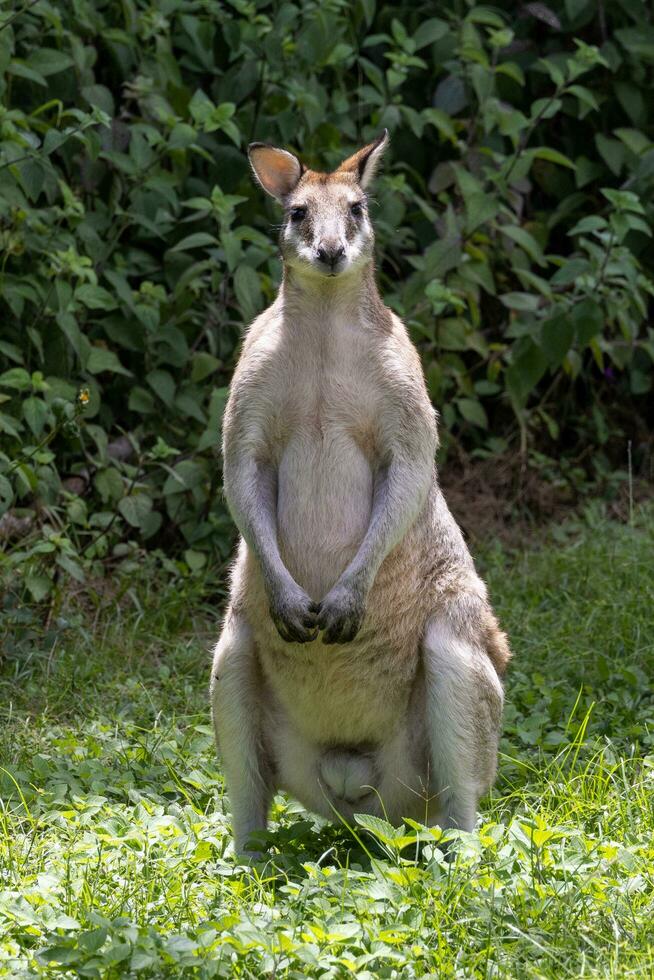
(251, 490)
(399, 496)
(251, 493)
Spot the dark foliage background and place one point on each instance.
(513, 222)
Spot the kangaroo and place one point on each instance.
(359, 664)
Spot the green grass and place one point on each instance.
(114, 857)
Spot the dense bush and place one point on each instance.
(513, 222)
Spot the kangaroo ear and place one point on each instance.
(363, 164)
(278, 171)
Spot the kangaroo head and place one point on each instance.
(327, 230)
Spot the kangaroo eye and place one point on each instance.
(297, 214)
(356, 209)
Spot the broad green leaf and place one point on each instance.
(49, 61)
(552, 156)
(441, 121)
(381, 829)
(520, 301)
(182, 136)
(101, 96)
(11, 426)
(589, 224)
(100, 360)
(121, 285)
(557, 335)
(528, 365)
(526, 241)
(140, 400)
(248, 291)
(453, 333)
(135, 508)
(624, 222)
(203, 365)
(441, 256)
(22, 70)
(39, 586)
(32, 177)
(543, 109)
(632, 101)
(35, 413)
(638, 41)
(473, 411)
(72, 566)
(634, 140)
(433, 29)
(625, 200)
(611, 151)
(512, 70)
(80, 344)
(17, 378)
(200, 239)
(588, 320)
(95, 297)
(195, 560)
(585, 96)
(184, 476)
(570, 271)
(188, 403)
(163, 385)
(6, 495)
(450, 95)
(109, 484)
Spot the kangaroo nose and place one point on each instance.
(330, 254)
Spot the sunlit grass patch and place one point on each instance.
(114, 826)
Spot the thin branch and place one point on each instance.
(605, 262)
(18, 14)
(524, 139)
(10, 163)
(39, 156)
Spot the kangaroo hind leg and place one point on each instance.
(236, 711)
(464, 708)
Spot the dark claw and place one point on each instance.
(297, 633)
(332, 635)
(349, 635)
(341, 632)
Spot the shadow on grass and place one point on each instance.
(289, 847)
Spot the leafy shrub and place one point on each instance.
(513, 223)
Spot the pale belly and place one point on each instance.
(325, 487)
(379, 726)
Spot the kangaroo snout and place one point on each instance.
(330, 253)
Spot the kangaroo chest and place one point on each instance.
(326, 460)
(331, 383)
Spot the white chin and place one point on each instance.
(320, 270)
(328, 273)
